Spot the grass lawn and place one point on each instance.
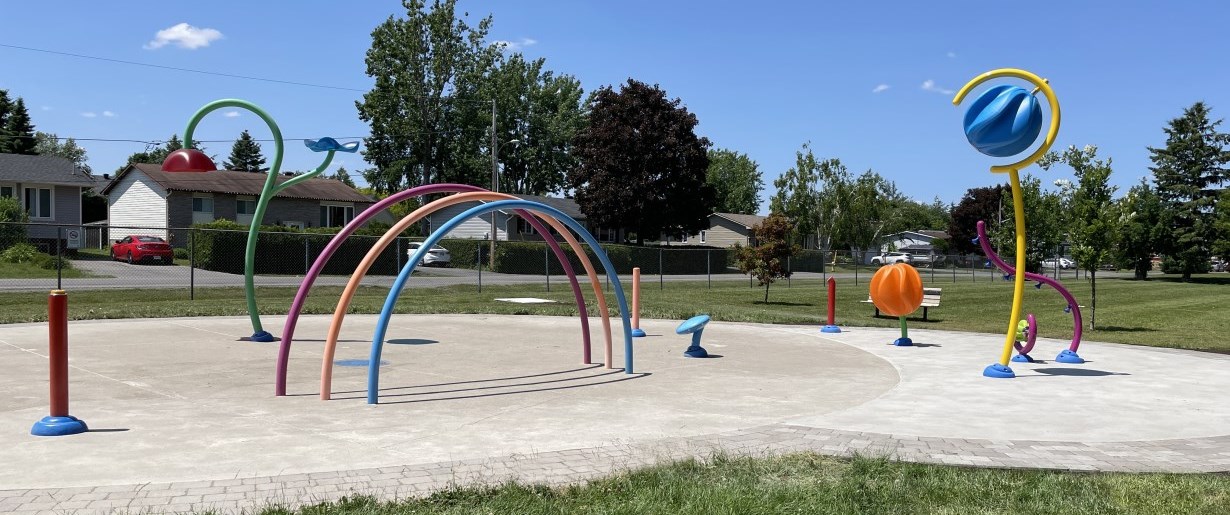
(31, 271)
(809, 483)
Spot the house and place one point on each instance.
(915, 242)
(143, 198)
(725, 230)
(509, 226)
(50, 188)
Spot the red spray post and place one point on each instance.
(637, 332)
(59, 422)
(832, 307)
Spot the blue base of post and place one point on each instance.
(58, 426)
(1022, 358)
(998, 371)
(830, 329)
(1067, 356)
(903, 342)
(638, 332)
(263, 337)
(696, 351)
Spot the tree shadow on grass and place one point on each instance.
(1122, 329)
(1220, 279)
(782, 303)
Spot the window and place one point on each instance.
(335, 215)
(39, 203)
(202, 210)
(8, 190)
(607, 235)
(245, 207)
(524, 227)
(702, 236)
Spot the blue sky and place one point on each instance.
(762, 78)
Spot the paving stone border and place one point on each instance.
(576, 465)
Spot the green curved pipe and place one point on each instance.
(270, 189)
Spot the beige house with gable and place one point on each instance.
(726, 230)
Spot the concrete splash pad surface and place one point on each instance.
(183, 399)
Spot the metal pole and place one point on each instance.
(191, 264)
(709, 267)
(478, 258)
(307, 260)
(495, 181)
(789, 271)
(661, 285)
(546, 265)
(59, 259)
(397, 252)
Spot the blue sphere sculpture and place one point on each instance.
(1003, 121)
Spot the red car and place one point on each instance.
(140, 248)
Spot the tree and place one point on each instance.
(641, 164)
(872, 210)
(48, 144)
(542, 112)
(1141, 228)
(983, 204)
(423, 108)
(1187, 171)
(246, 155)
(12, 218)
(736, 182)
(1043, 228)
(18, 131)
(913, 215)
(343, 176)
(766, 260)
(6, 107)
(1088, 212)
(796, 196)
(1221, 224)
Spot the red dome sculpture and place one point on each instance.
(188, 160)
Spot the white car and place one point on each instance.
(891, 258)
(436, 255)
(1063, 263)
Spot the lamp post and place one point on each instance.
(188, 159)
(495, 182)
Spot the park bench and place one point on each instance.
(931, 299)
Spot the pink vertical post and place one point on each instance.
(637, 332)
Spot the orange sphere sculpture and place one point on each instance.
(896, 289)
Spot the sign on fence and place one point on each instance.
(73, 236)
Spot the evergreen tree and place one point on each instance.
(343, 176)
(6, 106)
(158, 154)
(1187, 172)
(18, 130)
(246, 155)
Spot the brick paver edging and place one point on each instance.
(571, 466)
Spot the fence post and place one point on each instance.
(397, 253)
(307, 262)
(954, 270)
(789, 271)
(856, 260)
(709, 267)
(546, 264)
(191, 264)
(661, 285)
(59, 258)
(478, 259)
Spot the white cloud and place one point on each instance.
(89, 114)
(183, 36)
(881, 88)
(231, 114)
(108, 114)
(46, 108)
(516, 45)
(929, 85)
(952, 55)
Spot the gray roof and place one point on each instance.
(565, 205)
(242, 183)
(43, 170)
(747, 221)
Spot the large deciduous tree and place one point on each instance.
(985, 204)
(424, 109)
(18, 134)
(1043, 227)
(642, 166)
(1088, 212)
(48, 144)
(246, 155)
(1187, 172)
(767, 259)
(157, 155)
(1221, 226)
(736, 180)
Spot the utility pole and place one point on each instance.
(495, 182)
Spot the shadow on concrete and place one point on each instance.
(411, 341)
(475, 381)
(1077, 372)
(492, 391)
(108, 430)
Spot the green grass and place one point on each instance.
(32, 271)
(814, 484)
(1160, 312)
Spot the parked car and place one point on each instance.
(136, 249)
(891, 258)
(925, 260)
(1217, 265)
(1063, 263)
(436, 255)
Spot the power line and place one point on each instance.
(179, 69)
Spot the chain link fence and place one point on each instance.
(49, 256)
